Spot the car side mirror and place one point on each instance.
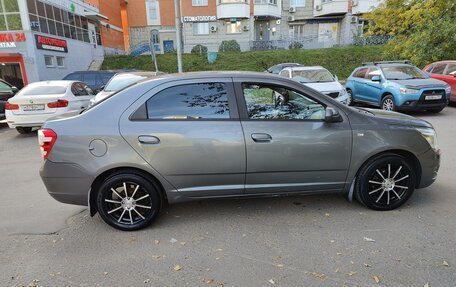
(376, 79)
(332, 115)
(14, 89)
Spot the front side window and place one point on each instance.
(192, 101)
(233, 27)
(270, 102)
(285, 73)
(402, 73)
(372, 72)
(201, 28)
(438, 69)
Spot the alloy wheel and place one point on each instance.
(388, 184)
(388, 105)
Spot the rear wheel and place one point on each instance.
(388, 103)
(385, 182)
(128, 201)
(24, 130)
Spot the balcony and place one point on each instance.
(364, 6)
(330, 8)
(267, 8)
(227, 9)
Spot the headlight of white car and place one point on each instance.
(448, 90)
(430, 136)
(408, 91)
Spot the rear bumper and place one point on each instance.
(430, 164)
(26, 120)
(66, 182)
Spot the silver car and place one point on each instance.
(222, 135)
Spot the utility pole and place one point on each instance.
(178, 36)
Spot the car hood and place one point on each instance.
(394, 118)
(325, 87)
(421, 83)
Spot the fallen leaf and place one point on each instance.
(339, 253)
(337, 270)
(177, 268)
(105, 273)
(351, 273)
(173, 240)
(156, 256)
(317, 275)
(217, 258)
(276, 258)
(426, 285)
(132, 239)
(367, 265)
(279, 265)
(332, 241)
(444, 263)
(271, 281)
(376, 279)
(369, 239)
(183, 243)
(157, 241)
(220, 249)
(210, 281)
(327, 214)
(146, 281)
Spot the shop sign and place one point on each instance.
(51, 44)
(12, 37)
(7, 45)
(199, 18)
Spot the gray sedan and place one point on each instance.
(220, 135)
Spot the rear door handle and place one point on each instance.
(261, 137)
(148, 140)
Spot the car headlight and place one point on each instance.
(408, 91)
(430, 136)
(448, 90)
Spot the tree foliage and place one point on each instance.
(422, 30)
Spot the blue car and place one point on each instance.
(397, 86)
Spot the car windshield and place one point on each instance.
(312, 76)
(121, 81)
(402, 73)
(42, 90)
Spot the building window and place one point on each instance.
(199, 2)
(152, 11)
(233, 1)
(233, 27)
(297, 3)
(201, 28)
(49, 61)
(274, 2)
(60, 62)
(10, 19)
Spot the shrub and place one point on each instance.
(199, 49)
(229, 46)
(295, 45)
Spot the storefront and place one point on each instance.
(12, 68)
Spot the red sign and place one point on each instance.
(51, 44)
(12, 37)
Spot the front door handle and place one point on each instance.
(261, 137)
(148, 140)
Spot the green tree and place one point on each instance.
(422, 30)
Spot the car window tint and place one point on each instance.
(194, 101)
(451, 69)
(80, 90)
(278, 103)
(73, 77)
(4, 88)
(372, 72)
(90, 79)
(439, 68)
(360, 73)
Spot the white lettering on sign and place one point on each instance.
(7, 45)
(199, 18)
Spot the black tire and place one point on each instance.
(128, 213)
(24, 130)
(380, 189)
(388, 103)
(350, 100)
(435, 111)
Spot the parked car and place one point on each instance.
(6, 91)
(39, 101)
(96, 80)
(444, 71)
(121, 81)
(318, 78)
(279, 67)
(397, 86)
(220, 135)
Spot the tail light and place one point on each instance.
(58, 104)
(46, 140)
(11, 107)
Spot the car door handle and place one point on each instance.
(261, 137)
(148, 140)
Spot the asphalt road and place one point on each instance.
(298, 241)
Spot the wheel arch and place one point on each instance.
(117, 170)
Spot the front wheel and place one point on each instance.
(128, 201)
(385, 182)
(350, 97)
(24, 130)
(388, 103)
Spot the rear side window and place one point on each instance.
(192, 101)
(90, 79)
(438, 69)
(451, 70)
(360, 73)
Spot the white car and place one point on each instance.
(318, 78)
(40, 101)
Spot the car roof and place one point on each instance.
(97, 72)
(142, 73)
(304, 68)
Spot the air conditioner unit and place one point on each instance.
(246, 28)
(354, 19)
(213, 28)
(291, 18)
(292, 10)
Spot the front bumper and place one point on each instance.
(66, 182)
(430, 164)
(421, 105)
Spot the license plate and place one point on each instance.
(433, 97)
(29, 108)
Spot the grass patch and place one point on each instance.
(339, 61)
